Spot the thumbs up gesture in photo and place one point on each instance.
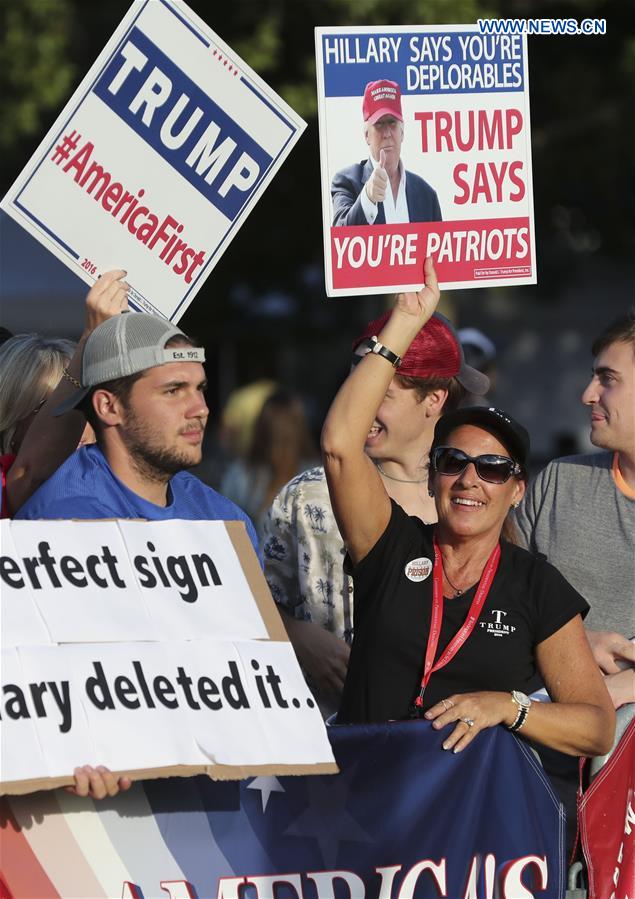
(378, 182)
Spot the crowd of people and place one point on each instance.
(419, 572)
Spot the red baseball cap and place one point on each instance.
(381, 98)
(435, 352)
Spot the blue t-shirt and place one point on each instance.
(85, 487)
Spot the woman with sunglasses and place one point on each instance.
(453, 622)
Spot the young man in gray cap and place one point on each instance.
(142, 388)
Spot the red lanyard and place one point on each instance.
(437, 616)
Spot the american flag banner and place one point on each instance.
(402, 820)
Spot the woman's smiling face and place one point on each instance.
(466, 505)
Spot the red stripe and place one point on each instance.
(469, 250)
(22, 875)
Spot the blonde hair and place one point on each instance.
(30, 368)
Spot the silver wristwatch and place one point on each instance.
(523, 703)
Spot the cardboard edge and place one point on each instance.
(215, 772)
(239, 537)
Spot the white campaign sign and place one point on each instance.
(161, 654)
(274, 666)
(446, 108)
(157, 158)
(134, 722)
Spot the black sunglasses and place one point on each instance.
(490, 468)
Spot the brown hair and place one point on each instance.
(280, 424)
(509, 530)
(122, 387)
(424, 386)
(622, 330)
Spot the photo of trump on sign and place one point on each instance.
(379, 190)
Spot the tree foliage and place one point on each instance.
(35, 65)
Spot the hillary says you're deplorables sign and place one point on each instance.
(425, 150)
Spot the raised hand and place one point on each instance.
(423, 303)
(107, 297)
(611, 651)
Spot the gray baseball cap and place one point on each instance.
(125, 345)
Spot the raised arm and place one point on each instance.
(360, 502)
(49, 440)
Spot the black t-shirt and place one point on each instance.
(529, 600)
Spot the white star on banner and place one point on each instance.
(266, 786)
(326, 818)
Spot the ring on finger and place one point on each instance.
(468, 721)
(446, 705)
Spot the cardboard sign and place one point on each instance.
(20, 622)
(215, 695)
(205, 574)
(156, 160)
(79, 581)
(458, 150)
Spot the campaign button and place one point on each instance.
(418, 569)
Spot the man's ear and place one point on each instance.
(434, 401)
(108, 407)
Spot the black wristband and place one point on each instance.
(380, 350)
(520, 720)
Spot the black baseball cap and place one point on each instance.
(512, 434)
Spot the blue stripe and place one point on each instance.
(186, 23)
(267, 103)
(48, 230)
